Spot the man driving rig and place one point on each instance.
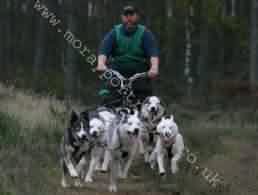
(132, 49)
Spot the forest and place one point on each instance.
(208, 48)
(208, 80)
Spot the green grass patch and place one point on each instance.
(10, 130)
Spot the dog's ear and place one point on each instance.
(138, 106)
(85, 115)
(157, 133)
(146, 100)
(123, 111)
(131, 111)
(135, 113)
(172, 117)
(166, 116)
(163, 103)
(123, 118)
(74, 117)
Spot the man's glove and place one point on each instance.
(101, 68)
(153, 73)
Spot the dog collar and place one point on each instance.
(100, 144)
(171, 141)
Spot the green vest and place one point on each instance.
(128, 55)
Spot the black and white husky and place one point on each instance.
(152, 110)
(84, 143)
(74, 146)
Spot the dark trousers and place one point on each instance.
(141, 88)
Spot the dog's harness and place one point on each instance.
(73, 141)
(152, 122)
(169, 145)
(92, 141)
(78, 146)
(170, 142)
(151, 125)
(98, 144)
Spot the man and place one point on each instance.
(133, 50)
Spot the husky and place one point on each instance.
(169, 141)
(100, 130)
(151, 112)
(124, 146)
(74, 146)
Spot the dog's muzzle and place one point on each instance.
(154, 110)
(94, 134)
(84, 137)
(168, 135)
(135, 132)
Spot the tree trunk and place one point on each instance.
(8, 33)
(99, 13)
(26, 48)
(2, 40)
(202, 61)
(40, 48)
(253, 44)
(169, 33)
(188, 55)
(233, 7)
(70, 66)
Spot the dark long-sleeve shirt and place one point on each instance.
(149, 43)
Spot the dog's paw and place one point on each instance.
(98, 167)
(146, 158)
(88, 179)
(78, 183)
(162, 174)
(174, 168)
(103, 171)
(120, 173)
(72, 170)
(73, 173)
(64, 184)
(112, 188)
(123, 176)
(152, 165)
(104, 167)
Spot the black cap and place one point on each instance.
(129, 9)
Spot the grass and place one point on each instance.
(10, 130)
(31, 128)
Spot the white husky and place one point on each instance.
(169, 138)
(99, 130)
(126, 140)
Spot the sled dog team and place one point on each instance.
(109, 141)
